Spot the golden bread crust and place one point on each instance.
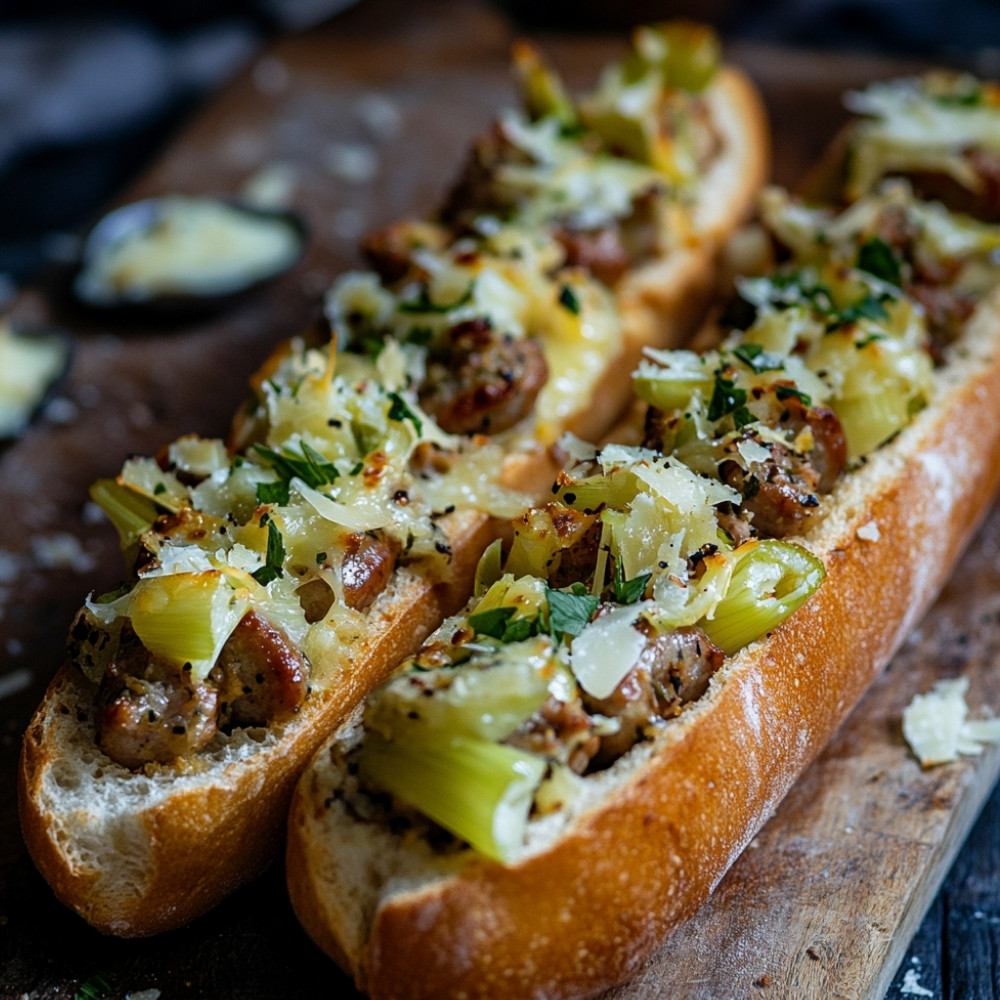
(585, 911)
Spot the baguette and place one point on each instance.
(279, 575)
(564, 885)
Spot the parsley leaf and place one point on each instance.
(275, 557)
(629, 591)
(311, 467)
(492, 622)
(94, 988)
(568, 300)
(569, 611)
(868, 307)
(726, 398)
(788, 391)
(500, 623)
(277, 493)
(757, 359)
(400, 410)
(876, 257)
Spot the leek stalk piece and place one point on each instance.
(489, 569)
(542, 90)
(872, 419)
(670, 390)
(488, 700)
(187, 617)
(130, 512)
(478, 790)
(770, 580)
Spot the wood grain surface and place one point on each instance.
(825, 900)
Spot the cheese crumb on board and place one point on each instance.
(937, 729)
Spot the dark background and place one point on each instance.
(89, 91)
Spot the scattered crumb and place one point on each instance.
(16, 680)
(911, 985)
(92, 514)
(61, 410)
(271, 187)
(9, 566)
(353, 163)
(61, 550)
(869, 532)
(379, 115)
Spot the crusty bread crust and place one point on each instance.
(127, 850)
(588, 903)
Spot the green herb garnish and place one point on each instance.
(868, 307)
(400, 410)
(876, 257)
(275, 557)
(94, 988)
(568, 300)
(788, 391)
(569, 611)
(757, 359)
(311, 467)
(726, 397)
(629, 591)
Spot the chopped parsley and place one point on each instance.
(757, 359)
(568, 300)
(274, 560)
(499, 623)
(94, 988)
(876, 257)
(728, 398)
(311, 467)
(789, 391)
(869, 307)
(400, 410)
(420, 336)
(569, 611)
(629, 591)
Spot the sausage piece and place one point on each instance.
(485, 382)
(150, 711)
(260, 677)
(673, 669)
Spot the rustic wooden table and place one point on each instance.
(827, 898)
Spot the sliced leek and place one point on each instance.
(770, 580)
(187, 618)
(130, 512)
(478, 790)
(488, 700)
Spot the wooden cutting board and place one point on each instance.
(823, 902)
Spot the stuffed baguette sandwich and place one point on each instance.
(563, 773)
(277, 575)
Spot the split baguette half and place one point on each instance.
(598, 885)
(588, 902)
(139, 852)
